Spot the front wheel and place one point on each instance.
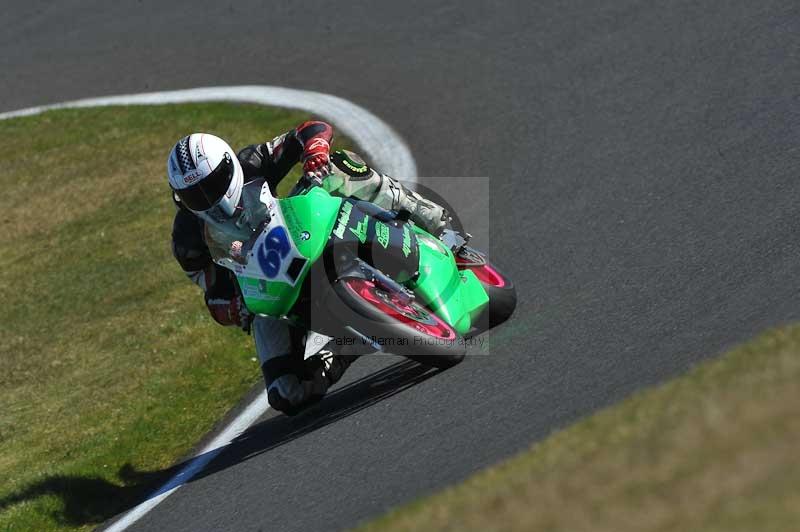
(399, 326)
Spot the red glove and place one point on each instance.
(316, 158)
(230, 312)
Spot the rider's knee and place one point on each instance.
(287, 394)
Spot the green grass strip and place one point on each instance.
(110, 366)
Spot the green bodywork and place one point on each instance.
(455, 296)
(310, 220)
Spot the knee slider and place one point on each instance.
(277, 401)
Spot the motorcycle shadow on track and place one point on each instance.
(93, 500)
(339, 404)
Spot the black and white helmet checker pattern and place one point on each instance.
(206, 176)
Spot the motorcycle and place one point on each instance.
(361, 275)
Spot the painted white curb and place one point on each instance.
(379, 142)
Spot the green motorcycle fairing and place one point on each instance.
(456, 296)
(280, 258)
(302, 226)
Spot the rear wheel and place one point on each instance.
(499, 287)
(399, 325)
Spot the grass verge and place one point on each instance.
(717, 449)
(110, 367)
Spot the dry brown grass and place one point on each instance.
(717, 450)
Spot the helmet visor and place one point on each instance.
(207, 192)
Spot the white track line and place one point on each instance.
(377, 140)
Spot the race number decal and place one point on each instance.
(273, 250)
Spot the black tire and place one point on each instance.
(400, 337)
(502, 303)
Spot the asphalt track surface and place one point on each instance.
(643, 160)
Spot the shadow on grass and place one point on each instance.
(91, 500)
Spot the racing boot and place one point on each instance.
(335, 365)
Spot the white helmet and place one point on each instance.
(206, 176)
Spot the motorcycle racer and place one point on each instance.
(206, 177)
